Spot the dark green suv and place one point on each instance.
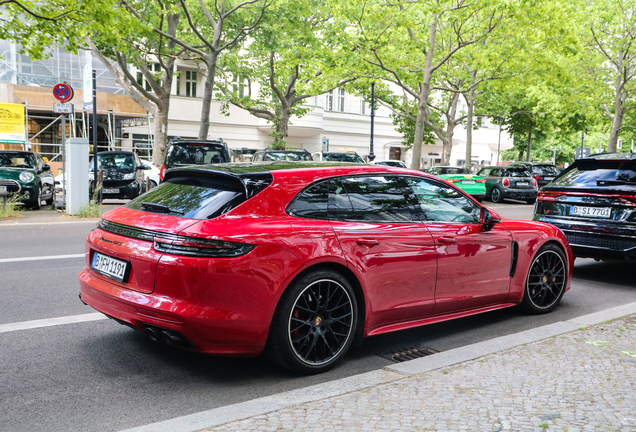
(25, 174)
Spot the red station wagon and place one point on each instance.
(300, 260)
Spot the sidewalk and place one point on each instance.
(578, 375)
(48, 215)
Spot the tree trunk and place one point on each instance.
(528, 149)
(470, 102)
(281, 128)
(419, 135)
(160, 132)
(617, 121)
(208, 91)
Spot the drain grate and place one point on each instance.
(407, 353)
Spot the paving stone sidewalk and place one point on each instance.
(579, 381)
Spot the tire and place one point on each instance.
(153, 184)
(310, 334)
(531, 200)
(49, 201)
(495, 195)
(546, 280)
(36, 203)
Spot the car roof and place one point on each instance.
(611, 156)
(16, 151)
(179, 142)
(114, 152)
(283, 151)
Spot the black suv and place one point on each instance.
(123, 174)
(194, 152)
(282, 155)
(510, 181)
(593, 202)
(543, 173)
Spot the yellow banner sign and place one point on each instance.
(11, 123)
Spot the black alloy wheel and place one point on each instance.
(546, 280)
(496, 196)
(314, 324)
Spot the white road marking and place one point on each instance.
(17, 224)
(72, 319)
(45, 257)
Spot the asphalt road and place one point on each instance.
(101, 376)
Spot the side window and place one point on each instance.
(311, 203)
(441, 203)
(378, 199)
(485, 172)
(257, 157)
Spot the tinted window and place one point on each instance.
(195, 154)
(517, 172)
(599, 173)
(453, 170)
(545, 170)
(17, 160)
(312, 202)
(442, 203)
(192, 197)
(287, 156)
(342, 157)
(378, 199)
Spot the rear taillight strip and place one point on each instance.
(179, 245)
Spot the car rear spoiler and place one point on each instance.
(253, 179)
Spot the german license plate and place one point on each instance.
(549, 178)
(108, 266)
(599, 212)
(110, 191)
(523, 184)
(3, 189)
(468, 181)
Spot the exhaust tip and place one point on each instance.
(166, 337)
(152, 334)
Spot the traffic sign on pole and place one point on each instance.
(62, 108)
(63, 92)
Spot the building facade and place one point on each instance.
(337, 120)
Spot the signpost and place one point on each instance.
(62, 108)
(63, 92)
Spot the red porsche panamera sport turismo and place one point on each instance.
(300, 260)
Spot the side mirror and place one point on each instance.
(488, 217)
(46, 167)
(143, 167)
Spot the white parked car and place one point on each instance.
(392, 163)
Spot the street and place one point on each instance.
(101, 376)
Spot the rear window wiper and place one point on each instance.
(614, 182)
(159, 207)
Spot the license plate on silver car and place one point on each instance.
(523, 184)
(599, 212)
(110, 191)
(108, 266)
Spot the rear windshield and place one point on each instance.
(600, 174)
(192, 197)
(342, 157)
(517, 172)
(287, 156)
(453, 171)
(195, 154)
(545, 170)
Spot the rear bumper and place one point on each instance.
(519, 193)
(139, 310)
(597, 239)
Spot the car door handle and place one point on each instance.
(367, 242)
(446, 240)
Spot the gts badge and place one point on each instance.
(118, 243)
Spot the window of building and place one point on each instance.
(341, 100)
(363, 106)
(141, 80)
(329, 104)
(242, 86)
(191, 83)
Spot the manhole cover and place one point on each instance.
(407, 353)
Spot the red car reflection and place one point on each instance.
(302, 260)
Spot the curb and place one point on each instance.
(222, 415)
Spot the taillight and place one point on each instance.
(480, 181)
(454, 180)
(628, 200)
(535, 183)
(506, 182)
(538, 177)
(548, 196)
(162, 171)
(189, 246)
